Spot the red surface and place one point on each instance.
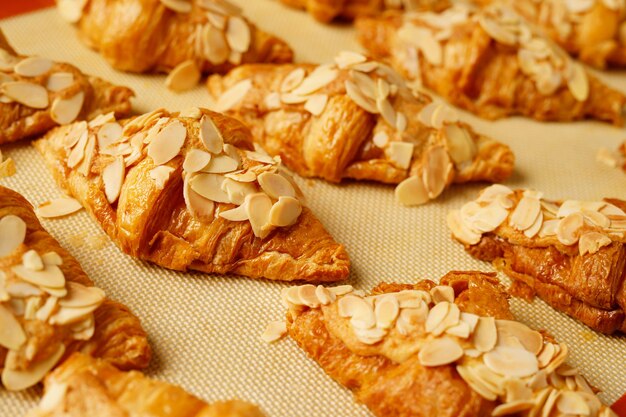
(14, 7)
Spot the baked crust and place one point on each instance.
(389, 370)
(340, 140)
(116, 335)
(486, 76)
(19, 121)
(87, 386)
(153, 220)
(583, 278)
(145, 35)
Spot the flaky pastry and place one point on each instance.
(49, 308)
(187, 191)
(84, 386)
(37, 94)
(491, 62)
(447, 350)
(357, 119)
(187, 37)
(327, 10)
(571, 253)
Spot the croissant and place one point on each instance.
(189, 192)
(492, 63)
(327, 10)
(593, 31)
(84, 386)
(37, 94)
(49, 308)
(447, 350)
(357, 119)
(571, 253)
(188, 36)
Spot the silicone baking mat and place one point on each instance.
(205, 329)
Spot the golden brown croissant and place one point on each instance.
(189, 192)
(447, 350)
(84, 386)
(37, 94)
(492, 63)
(571, 253)
(357, 119)
(152, 35)
(594, 31)
(50, 308)
(327, 10)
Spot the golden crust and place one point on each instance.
(487, 78)
(144, 35)
(154, 224)
(118, 337)
(18, 121)
(95, 388)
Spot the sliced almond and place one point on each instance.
(58, 207)
(460, 231)
(511, 362)
(258, 207)
(436, 170)
(12, 335)
(80, 296)
(387, 310)
(460, 144)
(525, 214)
(341, 290)
(485, 334)
(578, 82)
(12, 234)
(84, 167)
(412, 192)
(468, 374)
(512, 407)
(238, 34)
(436, 316)
(197, 205)
(359, 98)
(196, 160)
(285, 211)
(220, 164)
(275, 185)
(108, 134)
(17, 380)
(381, 139)
(28, 94)
(345, 59)
(439, 352)
(568, 230)
(32, 260)
(316, 104)
(591, 242)
(238, 214)
(70, 315)
(113, 179)
(319, 78)
(210, 186)
(65, 111)
(400, 153)
(272, 101)
(530, 339)
(33, 66)
(324, 296)
(237, 191)
(231, 97)
(50, 276)
(59, 81)
(184, 76)
(71, 10)
(179, 6)
(211, 136)
(292, 80)
(441, 293)
(167, 143)
(274, 331)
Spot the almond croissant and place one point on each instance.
(188, 192)
(492, 63)
(84, 386)
(50, 308)
(357, 119)
(570, 253)
(447, 350)
(37, 94)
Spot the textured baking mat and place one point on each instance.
(205, 329)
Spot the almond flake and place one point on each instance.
(468, 374)
(81, 296)
(238, 214)
(591, 242)
(439, 352)
(436, 316)
(292, 80)
(113, 179)
(196, 160)
(460, 231)
(485, 334)
(210, 135)
(274, 331)
(221, 164)
(572, 403)
(51, 276)
(341, 290)
(108, 134)
(12, 334)
(71, 10)
(59, 81)
(511, 362)
(386, 111)
(441, 293)
(525, 214)
(28, 94)
(68, 315)
(89, 152)
(242, 176)
(58, 207)
(460, 144)
(360, 99)
(530, 339)
(400, 153)
(179, 6)
(275, 185)
(412, 192)
(353, 306)
(65, 111)
(324, 296)
(12, 234)
(238, 34)
(17, 380)
(578, 82)
(285, 212)
(380, 139)
(184, 76)
(32, 260)
(346, 59)
(197, 205)
(568, 229)
(33, 66)
(436, 170)
(387, 310)
(233, 95)
(272, 101)
(167, 143)
(319, 78)
(513, 407)
(237, 191)
(209, 186)
(369, 336)
(52, 258)
(316, 104)
(258, 207)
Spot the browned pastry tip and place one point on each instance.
(491, 68)
(86, 386)
(52, 307)
(37, 94)
(451, 349)
(187, 192)
(150, 35)
(571, 253)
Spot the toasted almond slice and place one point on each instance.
(217, 20)
(89, 152)
(16, 380)
(258, 207)
(462, 330)
(319, 78)
(33, 66)
(460, 231)
(50, 276)
(412, 192)
(52, 258)
(568, 230)
(468, 374)
(28, 94)
(32, 260)
(439, 352)
(80, 296)
(242, 176)
(233, 96)
(359, 98)
(511, 362)
(436, 170)
(549, 228)
(272, 101)
(353, 306)
(341, 290)
(58, 207)
(167, 143)
(485, 334)
(324, 296)
(238, 214)
(210, 186)
(369, 336)
(387, 310)
(307, 294)
(259, 157)
(220, 164)
(441, 293)
(65, 111)
(22, 290)
(572, 403)
(460, 145)
(211, 135)
(346, 59)
(400, 153)
(578, 82)
(274, 331)
(525, 214)
(436, 316)
(191, 112)
(316, 104)
(238, 34)
(59, 81)
(530, 339)
(591, 242)
(108, 134)
(285, 211)
(512, 407)
(179, 6)
(237, 191)
(597, 219)
(113, 179)
(380, 139)
(196, 160)
(70, 315)
(220, 6)
(12, 335)
(12, 234)
(71, 10)
(275, 185)
(197, 205)
(184, 76)
(292, 80)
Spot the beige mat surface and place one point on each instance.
(205, 329)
